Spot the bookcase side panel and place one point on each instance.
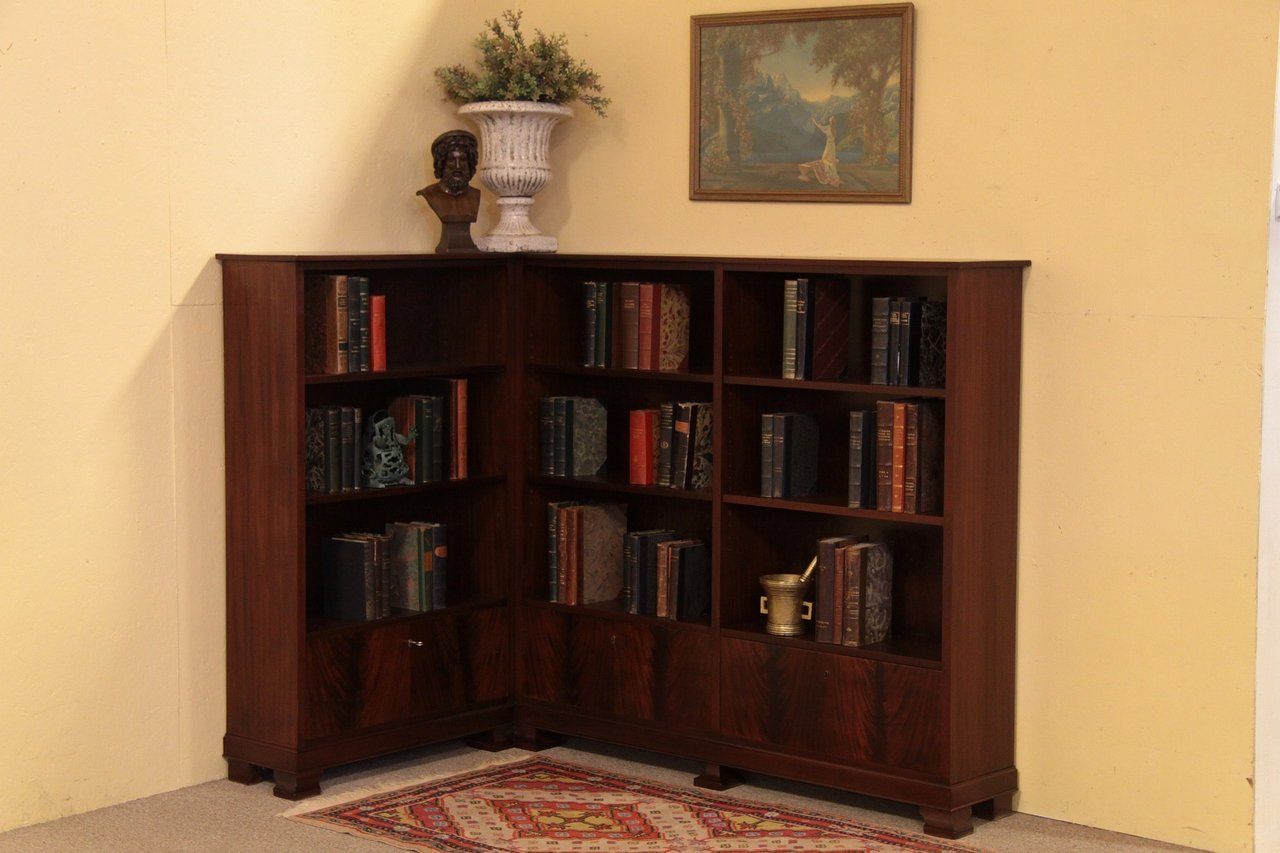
(981, 484)
(265, 611)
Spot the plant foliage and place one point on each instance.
(513, 69)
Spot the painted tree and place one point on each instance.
(864, 55)
(730, 58)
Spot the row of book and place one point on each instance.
(333, 453)
(908, 341)
(368, 576)
(592, 558)
(853, 591)
(419, 438)
(434, 427)
(896, 456)
(635, 325)
(907, 336)
(815, 328)
(788, 454)
(346, 325)
(572, 436)
(671, 446)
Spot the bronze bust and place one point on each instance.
(454, 154)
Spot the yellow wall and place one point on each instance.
(1124, 148)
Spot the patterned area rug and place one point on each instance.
(539, 805)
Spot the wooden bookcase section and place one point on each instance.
(924, 717)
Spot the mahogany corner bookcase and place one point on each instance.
(925, 717)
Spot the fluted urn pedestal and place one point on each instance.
(515, 139)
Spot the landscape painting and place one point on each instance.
(811, 105)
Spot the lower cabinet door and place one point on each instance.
(376, 674)
(637, 670)
(833, 706)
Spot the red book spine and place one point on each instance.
(644, 430)
(647, 335)
(629, 325)
(377, 332)
(458, 464)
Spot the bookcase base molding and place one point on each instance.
(514, 498)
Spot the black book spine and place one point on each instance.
(880, 340)
(804, 329)
(766, 455)
(333, 448)
(589, 324)
(666, 427)
(547, 437)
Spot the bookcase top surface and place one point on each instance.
(596, 259)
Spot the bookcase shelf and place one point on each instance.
(924, 716)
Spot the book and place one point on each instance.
(895, 336)
(457, 429)
(406, 548)
(600, 531)
(348, 579)
(868, 593)
(790, 296)
(553, 546)
(589, 320)
(933, 344)
(605, 325)
(795, 455)
(680, 438)
(693, 595)
(436, 544)
(649, 331)
(862, 459)
(450, 418)
(674, 318)
(404, 412)
(433, 408)
(325, 348)
(825, 590)
(804, 328)
(909, 341)
(884, 455)
(629, 325)
(358, 285)
(315, 444)
(347, 448)
(569, 546)
(643, 568)
(766, 455)
(380, 570)
(547, 437)
(327, 301)
(666, 557)
(923, 464)
(666, 441)
(586, 432)
(701, 440)
(643, 446)
(880, 340)
(333, 459)
(562, 436)
(829, 329)
(378, 332)
(898, 457)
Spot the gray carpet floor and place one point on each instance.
(227, 817)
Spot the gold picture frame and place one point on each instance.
(802, 105)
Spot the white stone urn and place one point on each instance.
(514, 143)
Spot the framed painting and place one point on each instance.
(802, 105)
